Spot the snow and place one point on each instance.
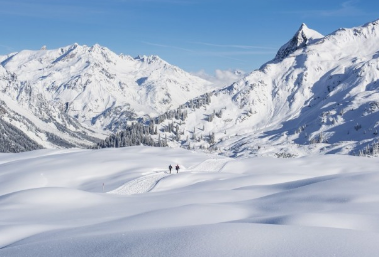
(140, 185)
(319, 95)
(75, 91)
(94, 80)
(221, 78)
(303, 37)
(39, 124)
(52, 203)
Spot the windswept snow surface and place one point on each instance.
(52, 203)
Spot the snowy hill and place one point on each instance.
(112, 202)
(320, 94)
(77, 86)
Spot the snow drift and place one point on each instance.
(52, 203)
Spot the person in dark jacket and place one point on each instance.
(177, 168)
(170, 168)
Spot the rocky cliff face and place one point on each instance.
(302, 37)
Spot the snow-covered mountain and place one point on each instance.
(77, 86)
(303, 37)
(319, 94)
(96, 85)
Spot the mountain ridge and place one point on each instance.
(321, 98)
(319, 95)
(103, 91)
(302, 38)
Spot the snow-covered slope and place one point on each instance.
(112, 202)
(303, 37)
(97, 86)
(64, 91)
(318, 94)
(27, 116)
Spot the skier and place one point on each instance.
(177, 168)
(170, 168)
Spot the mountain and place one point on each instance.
(303, 37)
(96, 85)
(318, 95)
(78, 93)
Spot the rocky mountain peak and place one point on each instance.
(302, 37)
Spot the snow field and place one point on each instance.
(139, 185)
(147, 183)
(313, 206)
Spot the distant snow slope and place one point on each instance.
(52, 203)
(320, 94)
(54, 96)
(97, 86)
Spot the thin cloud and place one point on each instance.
(176, 2)
(233, 54)
(230, 55)
(347, 9)
(234, 46)
(168, 46)
(212, 53)
(227, 57)
(7, 48)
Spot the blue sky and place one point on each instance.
(192, 34)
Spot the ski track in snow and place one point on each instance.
(140, 185)
(146, 183)
(211, 165)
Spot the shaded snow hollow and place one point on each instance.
(52, 203)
